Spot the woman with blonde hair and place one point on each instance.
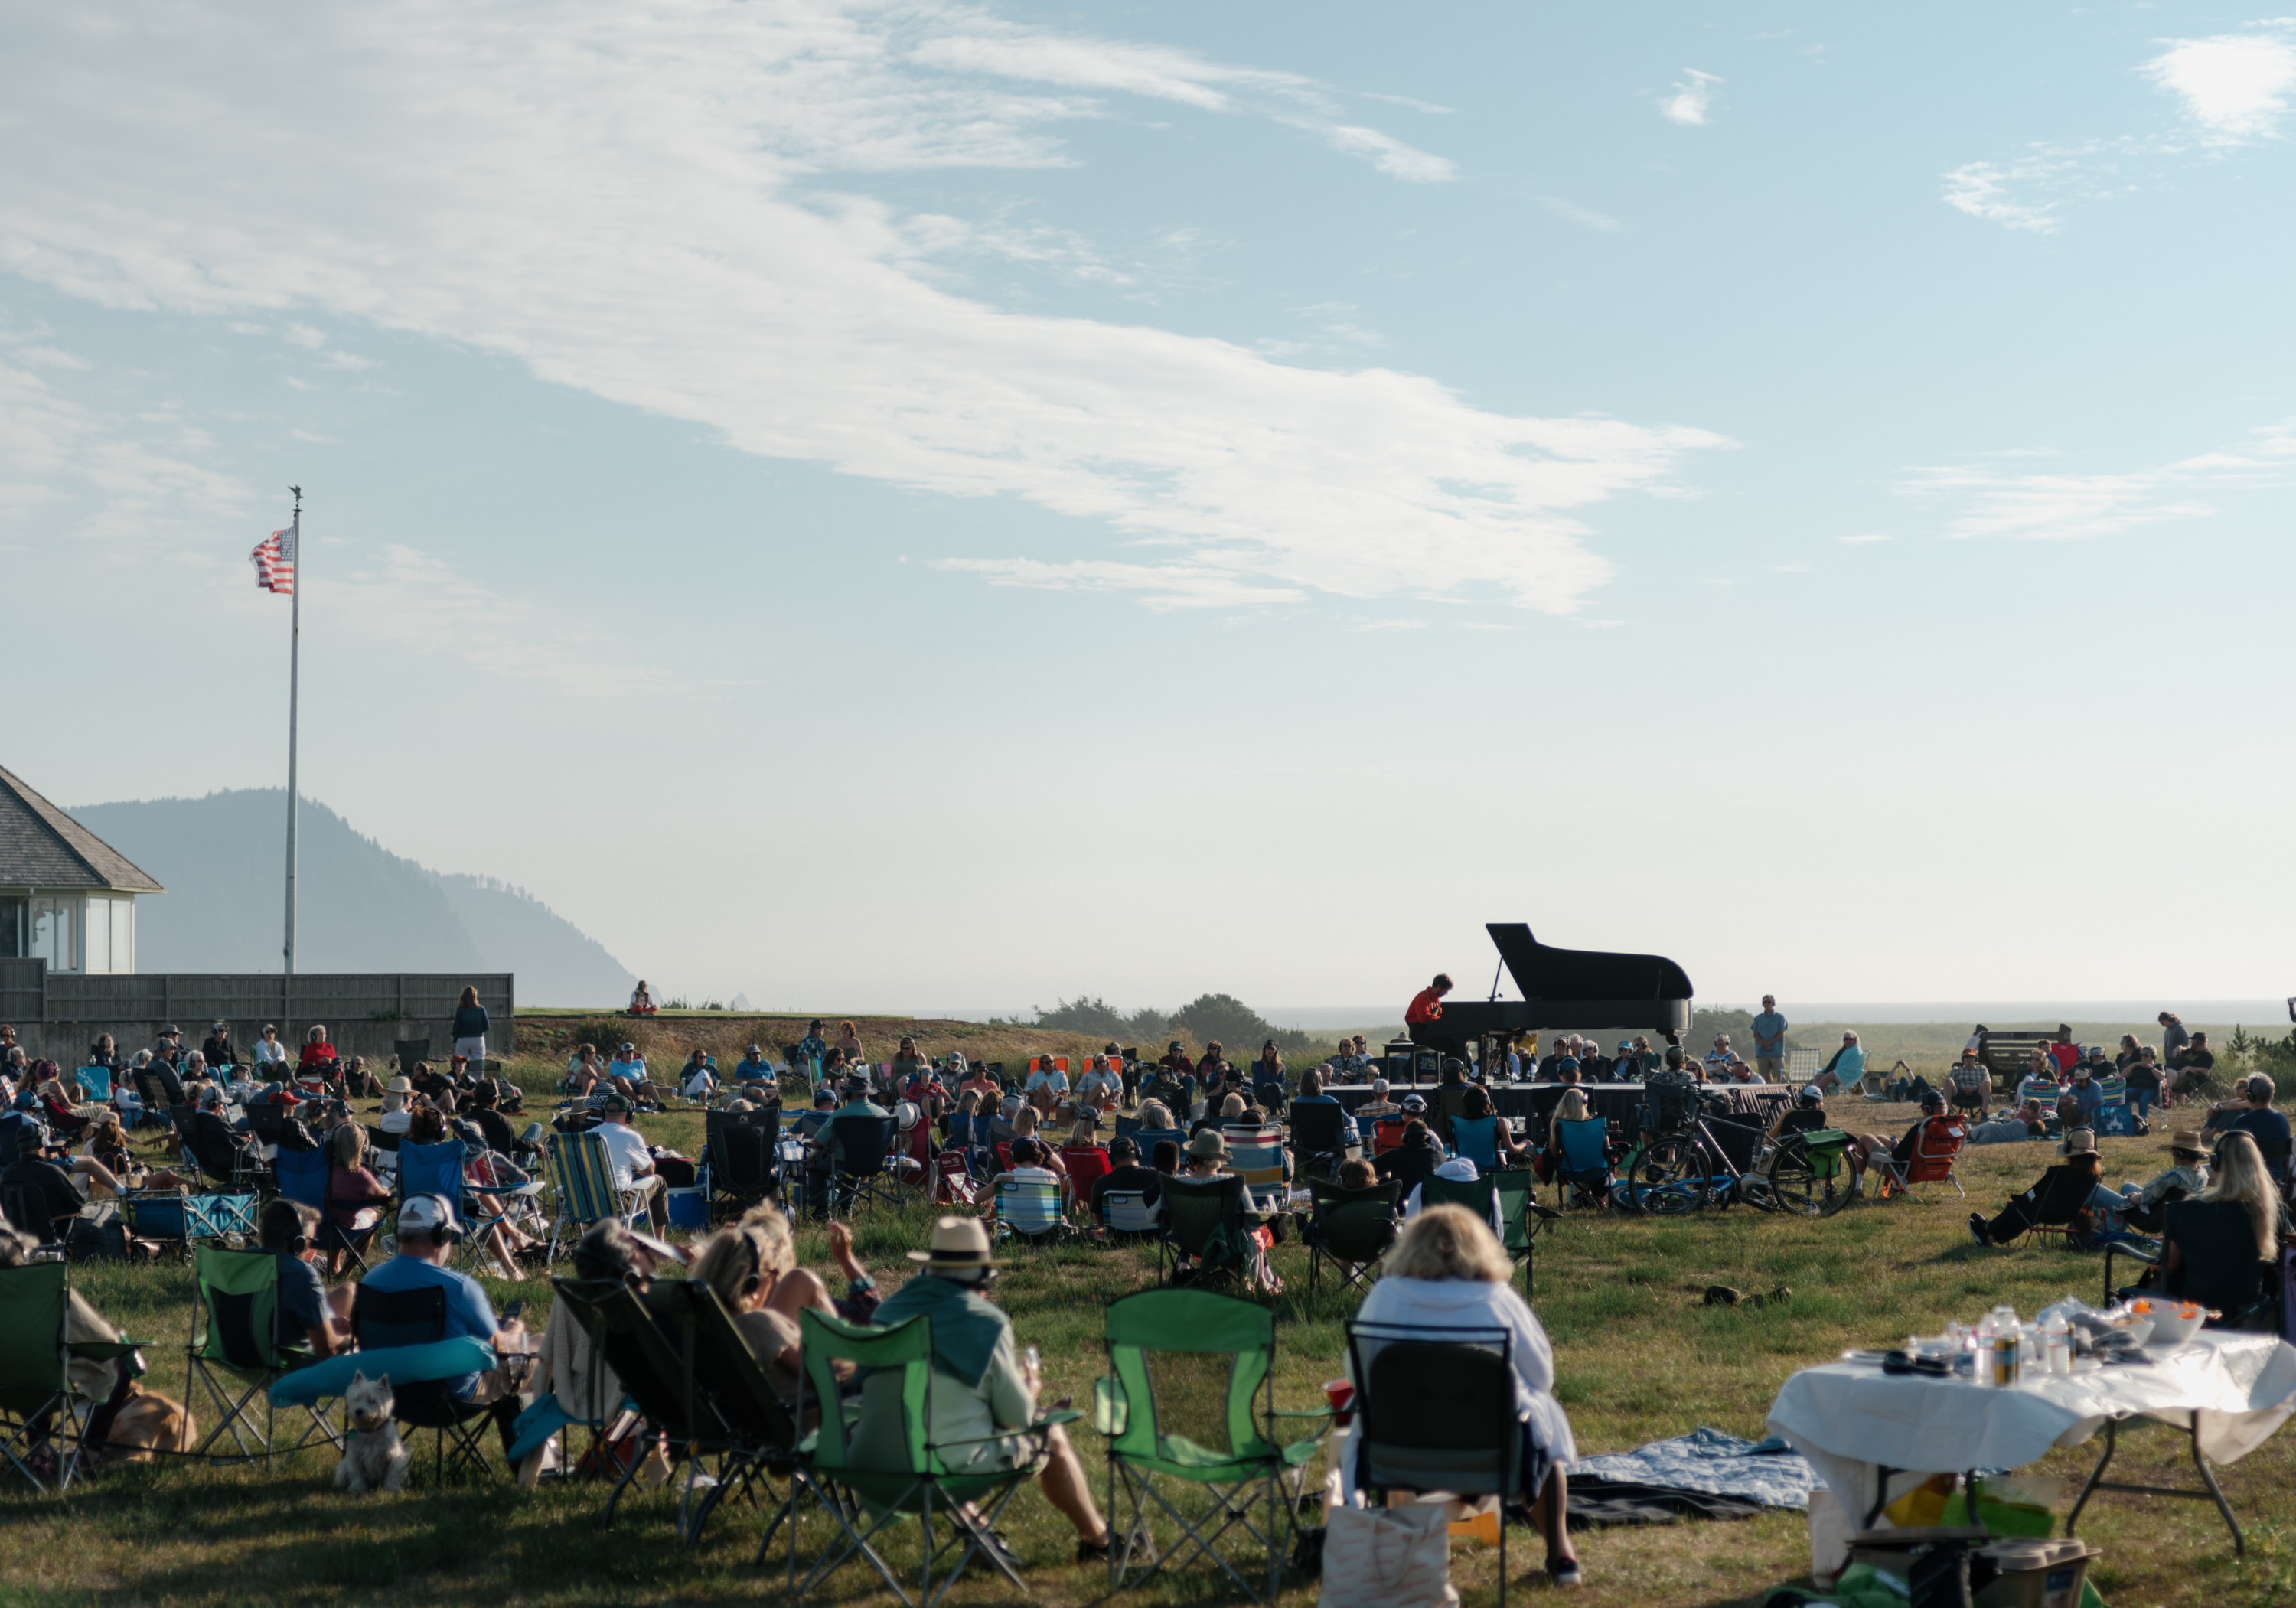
(745, 1264)
(1449, 1273)
(2241, 1175)
(1027, 1125)
(1156, 1116)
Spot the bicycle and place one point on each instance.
(1674, 1173)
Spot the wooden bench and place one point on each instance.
(2009, 1055)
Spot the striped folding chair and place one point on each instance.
(1031, 1210)
(582, 1178)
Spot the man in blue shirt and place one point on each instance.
(813, 1047)
(2255, 1117)
(1770, 1042)
(753, 1068)
(426, 1235)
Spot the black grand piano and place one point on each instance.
(1565, 989)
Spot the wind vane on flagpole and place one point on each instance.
(275, 558)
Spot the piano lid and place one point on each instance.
(1546, 973)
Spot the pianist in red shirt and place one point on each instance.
(1428, 1006)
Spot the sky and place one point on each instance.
(920, 507)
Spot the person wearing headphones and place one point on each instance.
(427, 1233)
(307, 1312)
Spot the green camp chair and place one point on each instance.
(582, 1178)
(1512, 1189)
(1203, 1219)
(879, 1487)
(1351, 1229)
(41, 1409)
(234, 1343)
(1185, 1368)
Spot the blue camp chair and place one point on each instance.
(1582, 1159)
(302, 1176)
(95, 1082)
(437, 1170)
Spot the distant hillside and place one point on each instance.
(361, 908)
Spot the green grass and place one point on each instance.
(1638, 1357)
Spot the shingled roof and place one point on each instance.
(41, 846)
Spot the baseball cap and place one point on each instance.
(424, 1214)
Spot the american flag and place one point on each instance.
(275, 562)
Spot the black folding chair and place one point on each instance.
(381, 1318)
(1436, 1413)
(861, 1162)
(762, 1437)
(1351, 1229)
(2050, 1206)
(740, 1149)
(658, 1378)
(1315, 1130)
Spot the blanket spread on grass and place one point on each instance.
(1706, 1462)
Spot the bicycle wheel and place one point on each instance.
(1755, 1190)
(1669, 1178)
(1792, 1186)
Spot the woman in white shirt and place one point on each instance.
(269, 1052)
(1449, 1272)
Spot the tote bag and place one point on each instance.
(1389, 1557)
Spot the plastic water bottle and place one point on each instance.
(2056, 1344)
(1981, 1346)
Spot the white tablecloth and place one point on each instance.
(1850, 1419)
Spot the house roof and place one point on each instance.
(41, 846)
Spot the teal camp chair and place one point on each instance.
(878, 1485)
(95, 1083)
(41, 1409)
(1521, 1216)
(235, 1353)
(1186, 1368)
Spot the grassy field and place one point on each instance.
(1638, 1357)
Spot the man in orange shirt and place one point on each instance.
(1428, 1006)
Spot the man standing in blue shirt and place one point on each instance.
(426, 1235)
(1770, 1042)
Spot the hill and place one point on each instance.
(362, 908)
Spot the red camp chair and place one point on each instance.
(1087, 1164)
(1387, 1133)
(1934, 1149)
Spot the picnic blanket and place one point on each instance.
(1703, 1474)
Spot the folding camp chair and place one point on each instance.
(1203, 1222)
(1932, 1162)
(436, 1169)
(582, 1178)
(94, 1084)
(383, 1318)
(2218, 1266)
(861, 1162)
(1582, 1161)
(1351, 1229)
(1127, 1212)
(302, 1176)
(1148, 1139)
(1029, 1211)
(1087, 1165)
(1510, 1214)
(1387, 1133)
(42, 1411)
(1436, 1413)
(1316, 1138)
(762, 1436)
(1182, 1402)
(658, 1377)
(2052, 1205)
(883, 1477)
(740, 1151)
(235, 1352)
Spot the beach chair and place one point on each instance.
(878, 1485)
(1256, 1155)
(1029, 1211)
(381, 1320)
(1087, 1165)
(1582, 1161)
(235, 1352)
(582, 1178)
(437, 1170)
(1350, 1228)
(1932, 1163)
(1148, 1139)
(43, 1415)
(1189, 1402)
(1436, 1413)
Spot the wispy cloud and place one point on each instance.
(484, 178)
(2232, 90)
(1691, 98)
(1998, 501)
(1586, 218)
(1865, 538)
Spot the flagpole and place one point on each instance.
(294, 687)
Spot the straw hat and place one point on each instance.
(399, 1086)
(2189, 1141)
(956, 1243)
(2078, 1142)
(1209, 1145)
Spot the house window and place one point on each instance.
(11, 929)
(51, 923)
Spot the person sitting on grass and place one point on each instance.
(983, 1386)
(2027, 1121)
(1450, 1273)
(1865, 1151)
(642, 1000)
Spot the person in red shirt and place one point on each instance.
(1428, 1006)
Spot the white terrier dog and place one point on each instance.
(376, 1458)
